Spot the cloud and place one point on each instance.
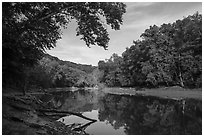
(144, 15)
(139, 16)
(132, 5)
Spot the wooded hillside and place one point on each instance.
(166, 55)
(53, 72)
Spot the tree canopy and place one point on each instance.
(167, 55)
(29, 28)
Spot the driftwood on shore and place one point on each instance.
(56, 112)
(63, 113)
(66, 112)
(22, 104)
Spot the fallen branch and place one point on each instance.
(14, 98)
(83, 127)
(20, 107)
(55, 114)
(67, 112)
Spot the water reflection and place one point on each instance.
(77, 101)
(123, 114)
(151, 115)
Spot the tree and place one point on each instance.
(188, 48)
(29, 28)
(133, 58)
(173, 51)
(111, 70)
(157, 67)
(167, 55)
(52, 72)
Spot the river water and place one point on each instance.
(127, 115)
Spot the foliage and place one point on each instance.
(167, 55)
(29, 28)
(52, 72)
(110, 70)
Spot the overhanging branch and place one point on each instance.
(54, 13)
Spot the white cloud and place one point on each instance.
(131, 5)
(139, 17)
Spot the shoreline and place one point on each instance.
(175, 93)
(23, 110)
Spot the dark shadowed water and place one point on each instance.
(127, 115)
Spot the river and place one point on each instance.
(127, 115)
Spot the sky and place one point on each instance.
(139, 16)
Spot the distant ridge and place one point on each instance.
(83, 67)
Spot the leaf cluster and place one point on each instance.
(167, 55)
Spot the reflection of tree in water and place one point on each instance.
(110, 112)
(77, 101)
(151, 115)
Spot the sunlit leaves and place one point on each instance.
(167, 55)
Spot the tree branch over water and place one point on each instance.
(67, 112)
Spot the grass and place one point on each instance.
(170, 92)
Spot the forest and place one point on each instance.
(29, 29)
(166, 55)
(52, 72)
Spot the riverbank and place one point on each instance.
(22, 115)
(175, 92)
